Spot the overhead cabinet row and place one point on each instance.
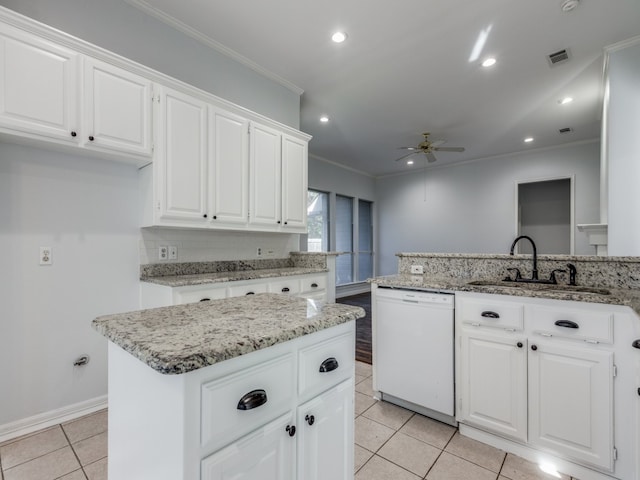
(208, 163)
(216, 169)
(50, 93)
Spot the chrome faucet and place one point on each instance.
(534, 273)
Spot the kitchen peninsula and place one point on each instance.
(260, 383)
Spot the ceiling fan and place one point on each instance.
(427, 147)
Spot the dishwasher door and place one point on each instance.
(414, 348)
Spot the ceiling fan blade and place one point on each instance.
(430, 157)
(449, 149)
(408, 148)
(437, 143)
(406, 156)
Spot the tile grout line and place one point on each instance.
(73, 450)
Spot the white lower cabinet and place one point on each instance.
(540, 374)
(266, 454)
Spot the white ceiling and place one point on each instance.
(405, 69)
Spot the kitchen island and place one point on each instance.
(238, 386)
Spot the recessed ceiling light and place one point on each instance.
(339, 37)
(489, 62)
(528, 140)
(324, 119)
(409, 162)
(565, 100)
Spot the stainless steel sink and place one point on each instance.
(543, 286)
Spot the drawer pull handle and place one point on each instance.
(205, 299)
(567, 324)
(250, 293)
(291, 430)
(329, 365)
(253, 399)
(285, 289)
(489, 314)
(314, 285)
(310, 419)
(636, 344)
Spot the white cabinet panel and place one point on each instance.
(267, 454)
(229, 172)
(38, 86)
(294, 183)
(182, 159)
(117, 109)
(492, 384)
(571, 401)
(265, 187)
(325, 425)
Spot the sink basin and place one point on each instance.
(543, 286)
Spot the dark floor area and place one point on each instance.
(363, 325)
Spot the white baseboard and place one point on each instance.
(32, 424)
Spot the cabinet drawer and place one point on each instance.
(289, 286)
(576, 323)
(241, 290)
(311, 284)
(230, 408)
(325, 364)
(497, 314)
(201, 295)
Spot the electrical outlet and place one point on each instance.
(269, 253)
(417, 269)
(173, 252)
(46, 256)
(259, 252)
(163, 252)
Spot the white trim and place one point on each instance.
(210, 42)
(32, 424)
(336, 164)
(629, 42)
(352, 289)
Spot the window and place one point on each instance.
(344, 239)
(317, 221)
(365, 240)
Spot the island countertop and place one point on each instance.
(182, 338)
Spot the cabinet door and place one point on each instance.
(294, 183)
(38, 86)
(229, 171)
(571, 402)
(182, 159)
(325, 425)
(265, 188)
(117, 109)
(266, 454)
(492, 387)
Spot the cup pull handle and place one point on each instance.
(567, 324)
(329, 365)
(489, 314)
(253, 399)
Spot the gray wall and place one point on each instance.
(86, 210)
(329, 177)
(470, 208)
(123, 29)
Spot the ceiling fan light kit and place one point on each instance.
(427, 148)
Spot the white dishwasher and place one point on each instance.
(413, 350)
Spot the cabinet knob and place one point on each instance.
(215, 217)
(534, 347)
(286, 223)
(285, 289)
(314, 285)
(636, 344)
(73, 134)
(310, 419)
(291, 429)
(91, 139)
(278, 222)
(205, 215)
(519, 344)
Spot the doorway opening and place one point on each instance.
(545, 213)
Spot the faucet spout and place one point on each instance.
(534, 272)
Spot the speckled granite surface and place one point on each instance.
(198, 273)
(183, 338)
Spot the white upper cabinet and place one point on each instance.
(38, 86)
(229, 168)
(117, 106)
(181, 162)
(294, 183)
(265, 185)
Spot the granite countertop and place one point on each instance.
(614, 296)
(183, 338)
(221, 277)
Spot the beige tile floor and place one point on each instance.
(391, 443)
